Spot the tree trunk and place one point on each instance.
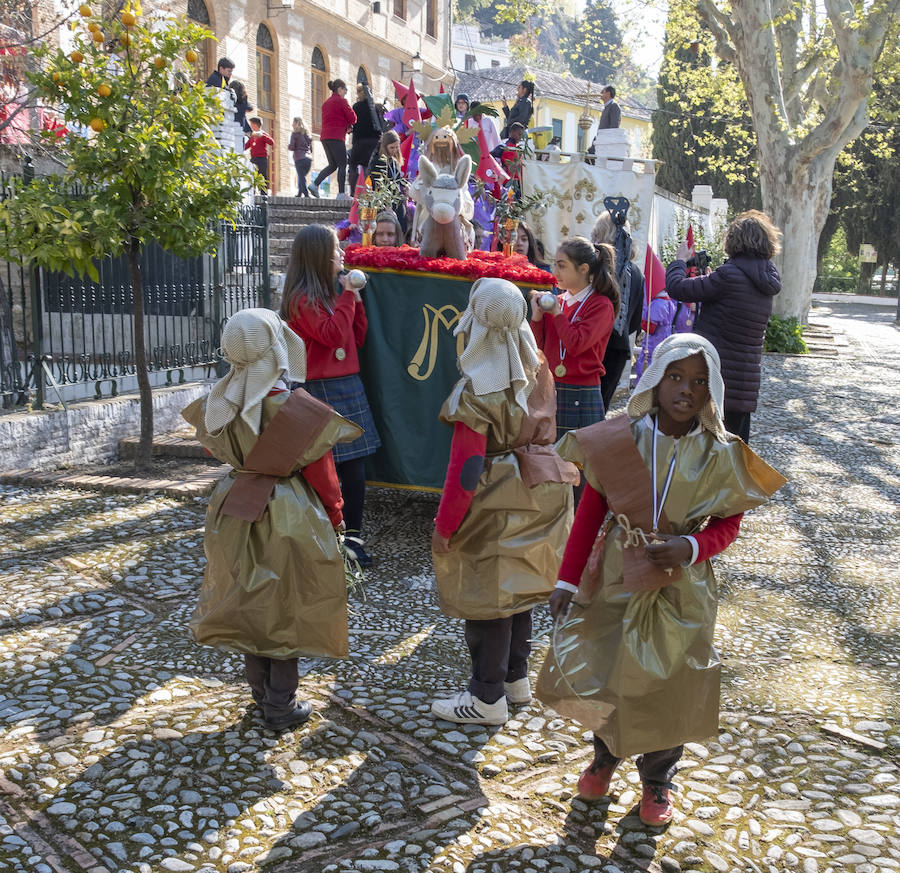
(866, 274)
(797, 198)
(143, 458)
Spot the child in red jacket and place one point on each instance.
(259, 143)
(329, 316)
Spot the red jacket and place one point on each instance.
(259, 143)
(584, 340)
(325, 332)
(337, 116)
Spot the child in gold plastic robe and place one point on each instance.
(506, 508)
(633, 659)
(274, 586)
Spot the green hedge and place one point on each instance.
(785, 335)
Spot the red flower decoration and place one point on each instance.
(477, 265)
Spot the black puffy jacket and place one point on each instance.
(736, 304)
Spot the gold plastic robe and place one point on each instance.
(639, 668)
(506, 553)
(273, 587)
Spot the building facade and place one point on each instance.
(286, 51)
(470, 50)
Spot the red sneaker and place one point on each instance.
(594, 782)
(656, 806)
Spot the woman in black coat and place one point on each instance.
(736, 302)
(522, 109)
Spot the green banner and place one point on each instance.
(408, 365)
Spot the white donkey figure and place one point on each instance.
(440, 201)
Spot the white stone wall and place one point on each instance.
(89, 432)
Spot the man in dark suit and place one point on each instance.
(612, 114)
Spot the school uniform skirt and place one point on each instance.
(347, 396)
(577, 406)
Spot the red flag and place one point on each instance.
(690, 238)
(654, 275)
(411, 107)
(405, 148)
(361, 182)
(442, 89)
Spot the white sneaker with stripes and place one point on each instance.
(518, 693)
(464, 708)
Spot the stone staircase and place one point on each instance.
(287, 215)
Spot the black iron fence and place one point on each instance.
(57, 332)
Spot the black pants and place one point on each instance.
(360, 153)
(613, 362)
(656, 768)
(273, 684)
(303, 167)
(336, 152)
(262, 165)
(353, 489)
(738, 423)
(499, 648)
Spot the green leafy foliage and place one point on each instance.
(713, 245)
(702, 130)
(785, 335)
(141, 149)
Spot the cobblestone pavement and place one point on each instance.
(124, 747)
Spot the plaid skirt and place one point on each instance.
(577, 406)
(346, 395)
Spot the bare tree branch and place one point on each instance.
(720, 26)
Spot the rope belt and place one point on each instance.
(635, 536)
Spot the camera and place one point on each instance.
(700, 261)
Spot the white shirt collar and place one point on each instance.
(648, 422)
(567, 297)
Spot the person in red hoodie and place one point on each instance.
(259, 143)
(574, 332)
(328, 315)
(337, 118)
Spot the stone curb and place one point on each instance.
(195, 485)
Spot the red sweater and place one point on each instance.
(584, 340)
(337, 116)
(259, 143)
(323, 333)
(717, 536)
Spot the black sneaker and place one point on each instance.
(355, 550)
(302, 712)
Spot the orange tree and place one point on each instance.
(146, 162)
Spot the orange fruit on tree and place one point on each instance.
(84, 10)
(104, 90)
(93, 26)
(77, 57)
(55, 76)
(129, 19)
(97, 124)
(125, 39)
(98, 36)
(159, 63)
(191, 56)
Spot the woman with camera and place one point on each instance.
(737, 303)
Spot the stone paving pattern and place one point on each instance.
(125, 747)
